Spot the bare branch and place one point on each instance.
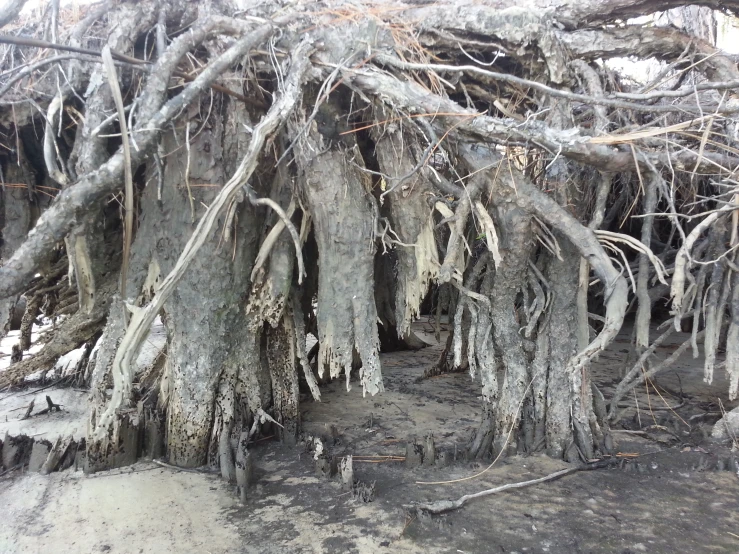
(557, 93)
(412, 98)
(127, 170)
(225, 24)
(10, 10)
(31, 68)
(442, 506)
(663, 43)
(285, 223)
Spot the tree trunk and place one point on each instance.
(541, 397)
(411, 229)
(204, 317)
(338, 196)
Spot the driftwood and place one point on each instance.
(442, 506)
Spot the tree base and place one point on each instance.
(135, 433)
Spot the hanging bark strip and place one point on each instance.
(338, 198)
(411, 219)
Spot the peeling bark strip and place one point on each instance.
(343, 217)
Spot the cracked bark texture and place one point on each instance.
(203, 314)
(15, 222)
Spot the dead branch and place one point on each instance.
(414, 99)
(10, 11)
(29, 410)
(557, 93)
(119, 58)
(107, 57)
(72, 333)
(442, 506)
(286, 223)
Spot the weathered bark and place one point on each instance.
(83, 243)
(272, 279)
(339, 200)
(203, 316)
(217, 312)
(562, 278)
(282, 361)
(15, 220)
(270, 306)
(411, 223)
(91, 188)
(696, 20)
(732, 341)
(10, 11)
(715, 303)
(516, 242)
(562, 364)
(478, 16)
(380, 142)
(663, 43)
(205, 309)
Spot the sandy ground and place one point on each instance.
(148, 509)
(72, 420)
(152, 510)
(663, 501)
